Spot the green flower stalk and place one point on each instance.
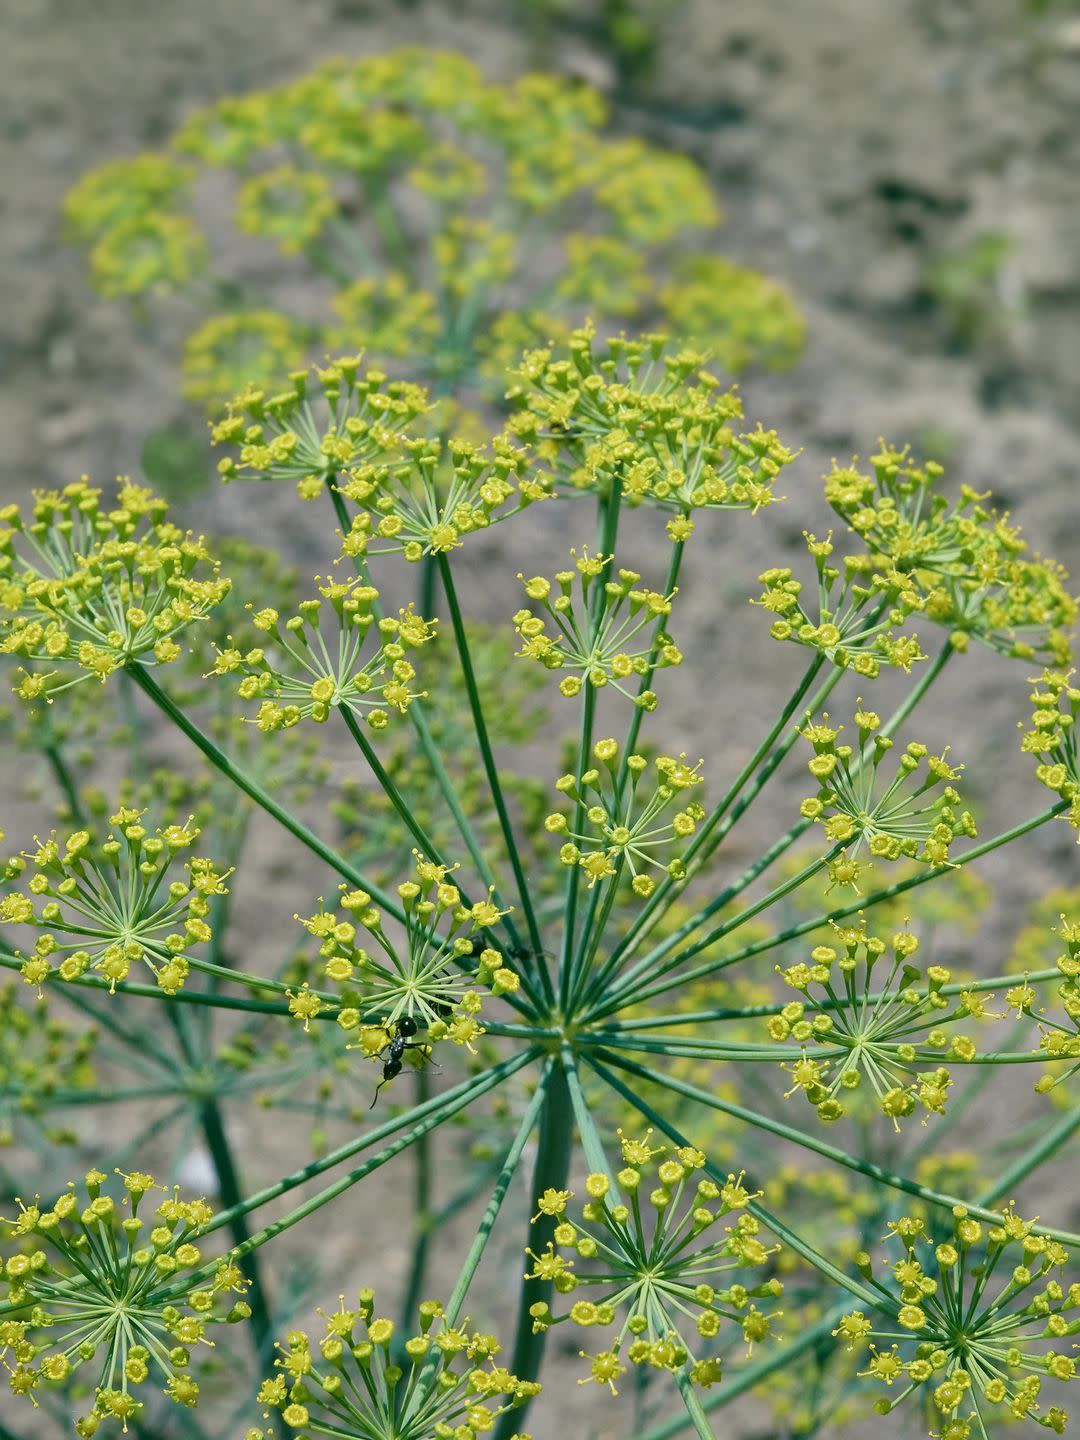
(653, 1272)
(982, 1321)
(90, 1288)
(447, 1385)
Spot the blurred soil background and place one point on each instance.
(910, 169)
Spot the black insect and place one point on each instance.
(393, 1052)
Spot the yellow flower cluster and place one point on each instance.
(86, 589)
(961, 565)
(446, 1385)
(983, 1320)
(651, 1271)
(647, 418)
(108, 904)
(87, 1283)
(297, 675)
(905, 818)
(886, 1031)
(624, 817)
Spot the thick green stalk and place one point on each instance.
(231, 1194)
(490, 769)
(552, 1168)
(694, 1409)
(808, 1141)
(255, 791)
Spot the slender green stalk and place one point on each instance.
(422, 1208)
(841, 1002)
(498, 1194)
(806, 927)
(401, 805)
(491, 770)
(627, 993)
(250, 787)
(808, 1141)
(444, 1105)
(551, 1170)
(573, 876)
(712, 834)
(638, 714)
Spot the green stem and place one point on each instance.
(551, 1171)
(491, 770)
(422, 1202)
(231, 1194)
(418, 719)
(807, 1141)
(694, 1408)
(933, 872)
(254, 791)
(573, 878)
(1047, 1146)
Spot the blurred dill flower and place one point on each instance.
(288, 205)
(299, 675)
(595, 632)
(1052, 739)
(106, 905)
(905, 818)
(86, 590)
(387, 314)
(738, 315)
(885, 1030)
(88, 1286)
(981, 1322)
(1060, 1040)
(627, 825)
(277, 436)
(851, 626)
(653, 1272)
(39, 1055)
(446, 1386)
(242, 348)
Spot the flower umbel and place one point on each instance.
(599, 631)
(108, 904)
(86, 590)
(446, 1386)
(89, 1286)
(626, 823)
(301, 676)
(652, 1272)
(981, 1318)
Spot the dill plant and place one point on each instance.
(447, 221)
(568, 964)
(564, 962)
